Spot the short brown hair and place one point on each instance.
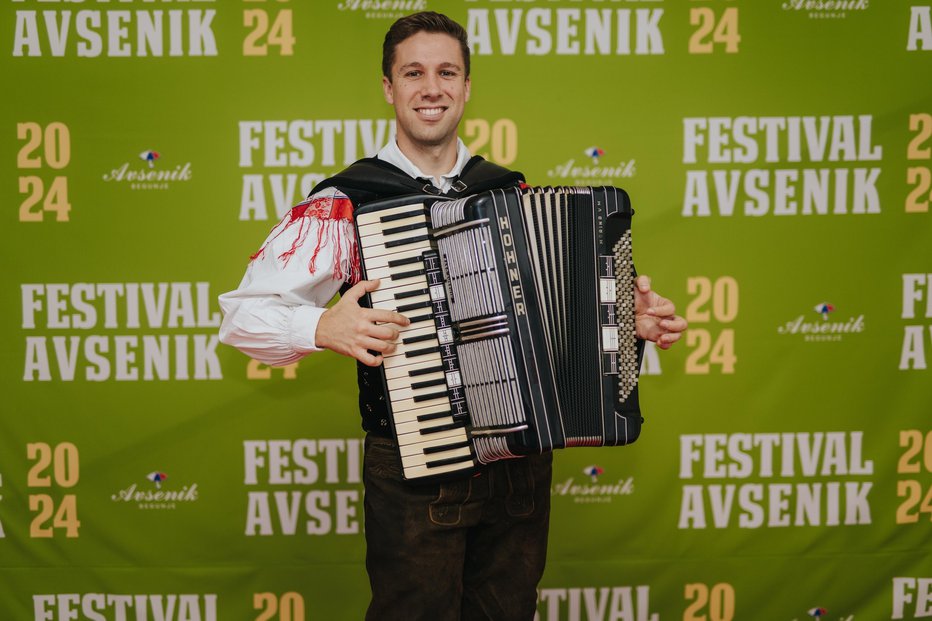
(425, 21)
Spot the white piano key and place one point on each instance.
(424, 330)
(382, 260)
(401, 349)
(378, 228)
(404, 405)
(414, 452)
(376, 216)
(411, 415)
(418, 463)
(402, 362)
(387, 282)
(388, 290)
(405, 381)
(396, 304)
(389, 273)
(399, 371)
(377, 245)
(427, 323)
(416, 472)
(415, 426)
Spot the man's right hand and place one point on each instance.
(352, 330)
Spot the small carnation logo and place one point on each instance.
(150, 157)
(825, 330)
(602, 170)
(158, 498)
(825, 9)
(821, 613)
(157, 478)
(383, 9)
(593, 472)
(592, 489)
(824, 309)
(148, 177)
(595, 153)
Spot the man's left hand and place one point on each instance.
(654, 315)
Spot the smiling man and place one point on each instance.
(472, 548)
(427, 81)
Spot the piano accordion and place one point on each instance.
(522, 336)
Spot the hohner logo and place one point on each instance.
(511, 261)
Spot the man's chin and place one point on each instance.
(433, 138)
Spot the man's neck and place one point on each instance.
(433, 160)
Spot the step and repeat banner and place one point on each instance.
(779, 158)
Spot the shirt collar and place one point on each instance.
(392, 154)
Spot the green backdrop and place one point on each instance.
(779, 157)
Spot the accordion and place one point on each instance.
(522, 336)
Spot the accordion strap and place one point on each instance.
(371, 179)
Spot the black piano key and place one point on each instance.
(411, 294)
(429, 430)
(447, 461)
(406, 227)
(420, 318)
(406, 307)
(427, 371)
(428, 383)
(408, 261)
(403, 215)
(406, 241)
(421, 352)
(419, 339)
(434, 416)
(430, 396)
(410, 274)
(446, 447)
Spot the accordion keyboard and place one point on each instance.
(431, 439)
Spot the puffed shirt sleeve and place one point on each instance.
(272, 316)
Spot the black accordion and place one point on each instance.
(522, 336)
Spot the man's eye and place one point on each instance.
(448, 74)
(412, 74)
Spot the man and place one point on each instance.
(472, 548)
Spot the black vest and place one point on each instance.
(373, 179)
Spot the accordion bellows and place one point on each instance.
(522, 337)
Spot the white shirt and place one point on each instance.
(272, 316)
(393, 155)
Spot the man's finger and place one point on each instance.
(383, 332)
(662, 308)
(674, 324)
(367, 359)
(643, 283)
(377, 345)
(360, 289)
(386, 316)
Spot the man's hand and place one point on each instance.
(654, 316)
(352, 330)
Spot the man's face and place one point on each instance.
(429, 89)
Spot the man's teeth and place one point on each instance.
(430, 111)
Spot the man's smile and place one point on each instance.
(431, 111)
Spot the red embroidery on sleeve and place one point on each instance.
(334, 215)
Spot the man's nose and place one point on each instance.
(431, 86)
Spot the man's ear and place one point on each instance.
(467, 88)
(387, 90)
